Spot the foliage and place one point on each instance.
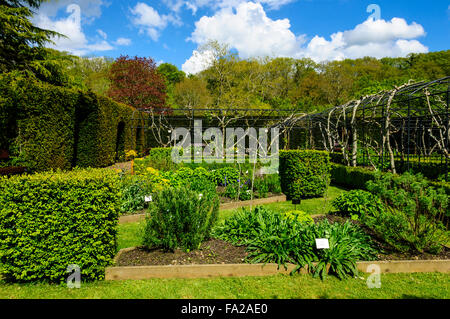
(225, 176)
(180, 218)
(22, 45)
(275, 238)
(304, 174)
(414, 213)
(52, 220)
(129, 76)
(134, 189)
(357, 203)
(298, 216)
(55, 127)
(351, 177)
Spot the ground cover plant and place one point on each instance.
(272, 237)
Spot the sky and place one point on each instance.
(174, 31)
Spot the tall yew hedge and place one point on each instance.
(50, 127)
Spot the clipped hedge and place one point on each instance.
(50, 127)
(304, 174)
(357, 177)
(51, 220)
(351, 177)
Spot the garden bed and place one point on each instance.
(388, 253)
(139, 216)
(211, 252)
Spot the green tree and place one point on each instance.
(22, 43)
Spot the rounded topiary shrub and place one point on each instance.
(180, 218)
(304, 174)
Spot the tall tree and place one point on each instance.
(22, 43)
(136, 82)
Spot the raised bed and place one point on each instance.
(241, 270)
(235, 205)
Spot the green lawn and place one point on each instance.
(130, 234)
(393, 286)
(314, 206)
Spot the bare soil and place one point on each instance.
(387, 252)
(213, 251)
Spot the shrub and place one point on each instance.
(243, 225)
(51, 220)
(356, 203)
(414, 213)
(304, 174)
(273, 183)
(299, 216)
(180, 218)
(134, 189)
(273, 238)
(225, 176)
(261, 188)
(351, 177)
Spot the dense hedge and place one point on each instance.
(49, 221)
(351, 177)
(429, 168)
(50, 127)
(304, 174)
(357, 177)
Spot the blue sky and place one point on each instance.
(172, 30)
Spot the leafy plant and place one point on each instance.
(356, 203)
(414, 213)
(180, 218)
(272, 237)
(299, 216)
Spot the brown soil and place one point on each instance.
(388, 253)
(211, 252)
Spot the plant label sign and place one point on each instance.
(322, 243)
(148, 198)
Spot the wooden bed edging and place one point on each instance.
(276, 199)
(241, 270)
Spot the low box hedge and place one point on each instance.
(304, 174)
(357, 177)
(49, 221)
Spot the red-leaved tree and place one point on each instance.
(136, 82)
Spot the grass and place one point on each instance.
(393, 286)
(313, 206)
(129, 234)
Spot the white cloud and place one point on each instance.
(123, 41)
(198, 62)
(194, 5)
(102, 34)
(381, 31)
(150, 21)
(249, 30)
(76, 41)
(90, 9)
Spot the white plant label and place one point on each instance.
(148, 199)
(322, 243)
